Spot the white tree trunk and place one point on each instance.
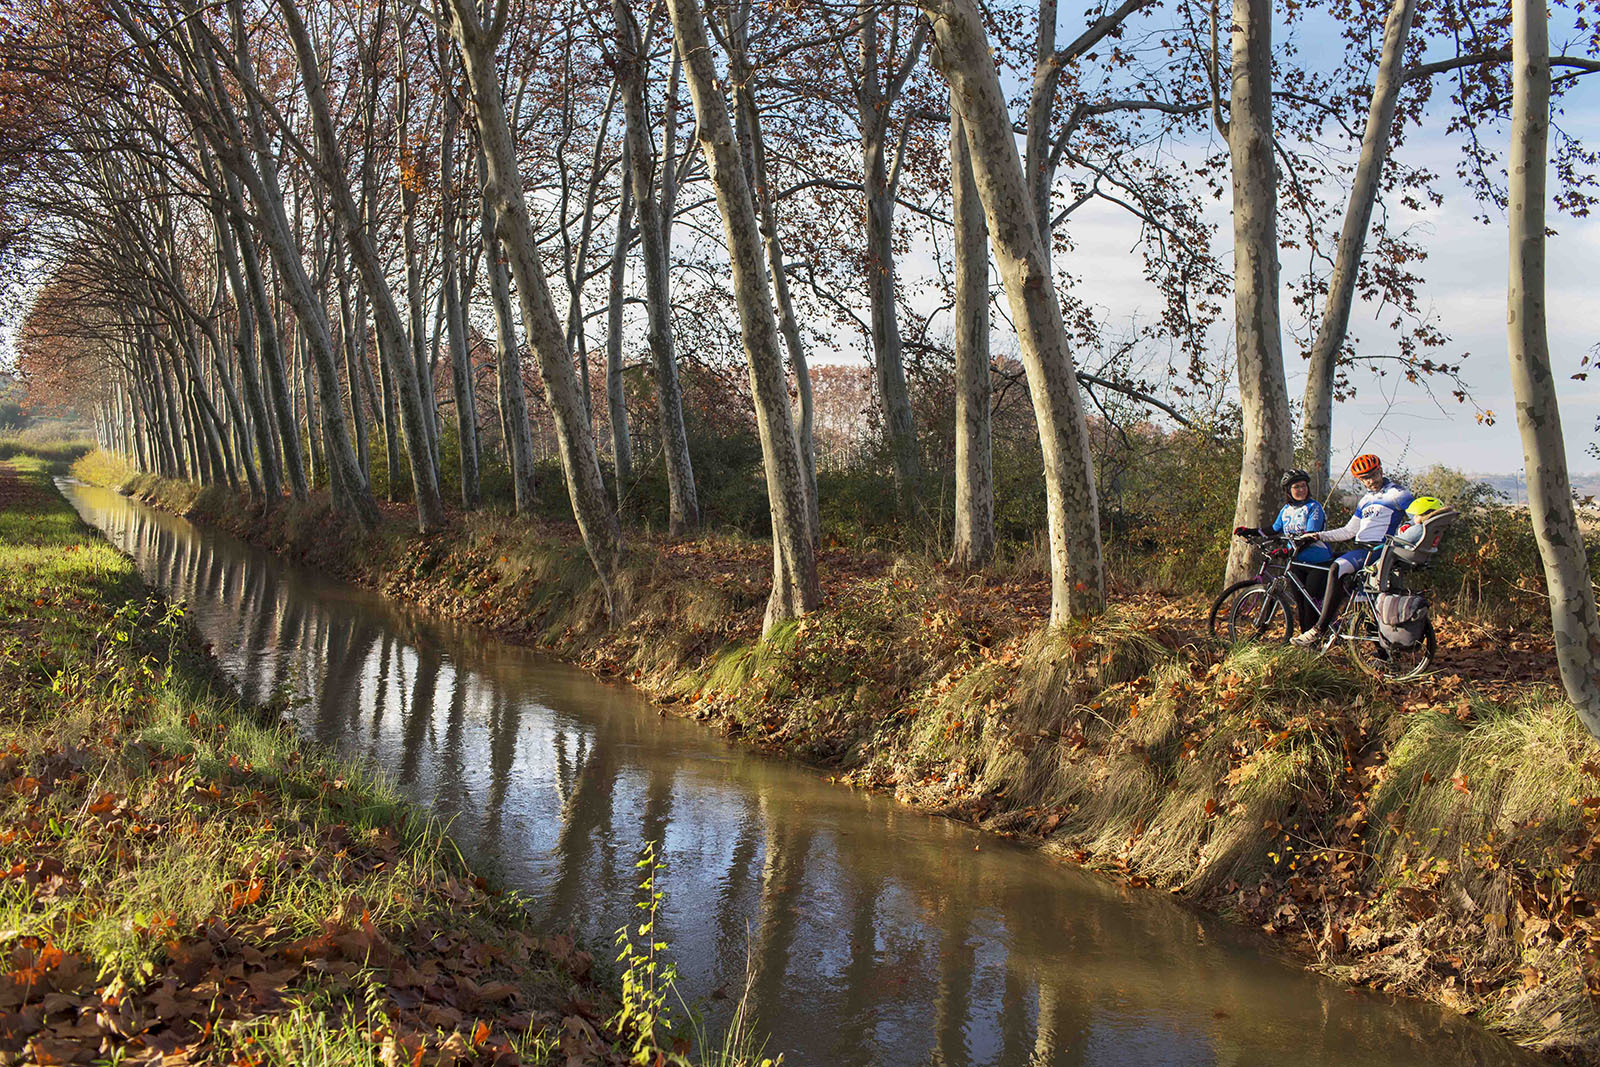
(455, 317)
(1263, 393)
(753, 146)
(430, 508)
(795, 590)
(974, 516)
(873, 100)
(1566, 567)
(508, 369)
(616, 394)
(597, 521)
(1317, 437)
(683, 499)
(1077, 574)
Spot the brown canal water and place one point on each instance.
(878, 935)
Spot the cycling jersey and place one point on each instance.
(1297, 519)
(1377, 515)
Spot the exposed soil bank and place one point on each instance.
(1432, 840)
(183, 880)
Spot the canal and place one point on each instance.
(870, 934)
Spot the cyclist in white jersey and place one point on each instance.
(1377, 515)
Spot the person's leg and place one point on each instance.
(1315, 583)
(1339, 572)
(1333, 596)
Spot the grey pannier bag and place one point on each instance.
(1402, 617)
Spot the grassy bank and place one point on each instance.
(1435, 840)
(180, 878)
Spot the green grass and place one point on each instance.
(55, 444)
(145, 813)
(99, 467)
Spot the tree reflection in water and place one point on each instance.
(879, 936)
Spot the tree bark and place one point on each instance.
(1317, 438)
(454, 315)
(683, 499)
(974, 515)
(1041, 115)
(1077, 574)
(353, 340)
(1555, 523)
(245, 344)
(888, 352)
(413, 253)
(754, 146)
(268, 342)
(508, 367)
(424, 475)
(795, 589)
(616, 397)
(1263, 393)
(597, 522)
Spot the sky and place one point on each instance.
(1465, 293)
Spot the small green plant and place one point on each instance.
(650, 983)
(648, 975)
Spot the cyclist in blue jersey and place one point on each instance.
(1377, 514)
(1299, 516)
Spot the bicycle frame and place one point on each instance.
(1278, 572)
(1351, 625)
(1358, 619)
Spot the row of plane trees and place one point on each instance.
(267, 222)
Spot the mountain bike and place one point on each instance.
(1267, 606)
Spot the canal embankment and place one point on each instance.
(184, 879)
(1433, 840)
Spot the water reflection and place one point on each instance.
(879, 936)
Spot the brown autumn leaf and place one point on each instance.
(441, 1015)
(496, 992)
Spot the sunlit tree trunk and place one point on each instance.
(616, 397)
(508, 368)
(1263, 393)
(1555, 523)
(410, 179)
(597, 521)
(454, 315)
(795, 589)
(245, 344)
(353, 338)
(1077, 574)
(753, 144)
(683, 499)
(461, 375)
(874, 98)
(974, 513)
(1317, 437)
(424, 476)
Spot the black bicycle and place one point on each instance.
(1267, 606)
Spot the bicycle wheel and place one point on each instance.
(1393, 663)
(1250, 611)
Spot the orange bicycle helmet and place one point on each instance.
(1364, 465)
